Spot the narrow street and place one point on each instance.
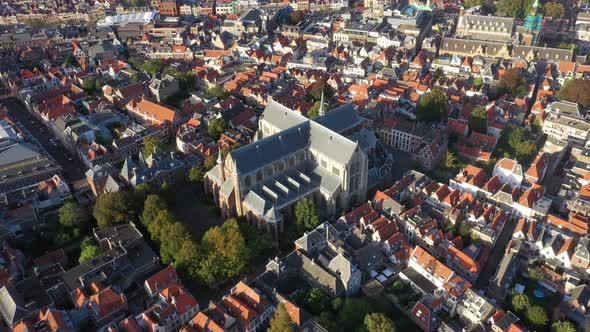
(73, 169)
(497, 254)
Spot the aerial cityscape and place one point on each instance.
(294, 165)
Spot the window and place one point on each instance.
(281, 166)
(248, 181)
(269, 171)
(324, 164)
(292, 161)
(336, 171)
(258, 176)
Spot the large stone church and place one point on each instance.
(291, 158)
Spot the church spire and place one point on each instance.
(322, 111)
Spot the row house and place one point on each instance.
(149, 112)
(429, 276)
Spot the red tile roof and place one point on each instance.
(161, 280)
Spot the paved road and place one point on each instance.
(497, 254)
(73, 169)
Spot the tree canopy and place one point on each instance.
(432, 106)
(478, 120)
(281, 322)
(209, 163)
(306, 216)
(152, 206)
(224, 253)
(472, 3)
(92, 85)
(196, 175)
(216, 128)
(136, 62)
(513, 83)
(378, 322)
(313, 300)
(554, 9)
(71, 215)
(520, 302)
(217, 91)
(89, 251)
(151, 144)
(112, 208)
(576, 91)
(563, 326)
(516, 143)
(536, 316)
(153, 66)
(514, 8)
(536, 274)
(314, 111)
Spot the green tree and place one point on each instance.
(89, 251)
(554, 9)
(472, 3)
(152, 206)
(70, 61)
(209, 163)
(536, 274)
(478, 81)
(450, 162)
(378, 322)
(153, 67)
(224, 253)
(315, 301)
(576, 91)
(258, 242)
(196, 175)
(135, 78)
(216, 128)
(89, 84)
(513, 83)
(151, 144)
(171, 241)
(351, 316)
(98, 86)
(158, 226)
(136, 62)
(112, 208)
(137, 3)
(465, 229)
(516, 143)
(186, 80)
(536, 316)
(514, 8)
(563, 326)
(71, 215)
(314, 111)
(281, 322)
(478, 120)
(328, 321)
(306, 216)
(217, 91)
(520, 302)
(432, 106)
(320, 86)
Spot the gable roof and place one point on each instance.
(162, 279)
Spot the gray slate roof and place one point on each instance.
(12, 306)
(271, 148)
(17, 153)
